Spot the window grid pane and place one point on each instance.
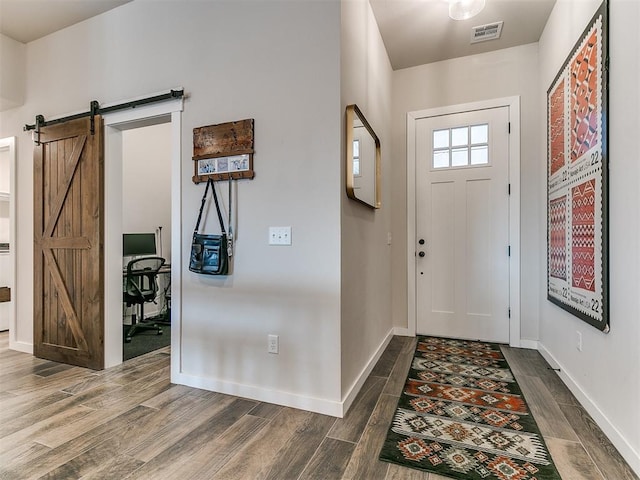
(441, 159)
(461, 146)
(459, 157)
(440, 139)
(480, 155)
(356, 158)
(479, 134)
(459, 136)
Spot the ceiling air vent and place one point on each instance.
(490, 31)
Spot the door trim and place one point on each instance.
(9, 144)
(513, 103)
(114, 123)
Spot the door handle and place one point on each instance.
(421, 254)
(421, 241)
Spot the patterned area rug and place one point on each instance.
(462, 415)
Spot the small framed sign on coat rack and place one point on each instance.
(222, 151)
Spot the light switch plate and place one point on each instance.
(279, 235)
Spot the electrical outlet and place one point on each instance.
(272, 343)
(579, 341)
(279, 235)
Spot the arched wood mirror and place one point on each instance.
(362, 159)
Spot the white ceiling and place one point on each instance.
(415, 32)
(28, 20)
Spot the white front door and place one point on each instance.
(462, 225)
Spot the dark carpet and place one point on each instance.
(462, 415)
(145, 341)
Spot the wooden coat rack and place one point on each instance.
(222, 151)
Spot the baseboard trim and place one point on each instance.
(23, 347)
(530, 344)
(364, 374)
(619, 441)
(402, 332)
(287, 399)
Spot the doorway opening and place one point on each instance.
(146, 227)
(7, 237)
(142, 195)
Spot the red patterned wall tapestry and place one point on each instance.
(577, 173)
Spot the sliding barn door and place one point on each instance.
(68, 242)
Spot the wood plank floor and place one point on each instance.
(129, 422)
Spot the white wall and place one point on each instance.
(146, 183)
(12, 73)
(366, 257)
(505, 73)
(604, 375)
(276, 62)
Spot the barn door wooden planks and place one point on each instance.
(68, 244)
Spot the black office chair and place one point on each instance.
(140, 287)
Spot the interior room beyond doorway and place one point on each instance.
(146, 209)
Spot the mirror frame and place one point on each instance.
(352, 112)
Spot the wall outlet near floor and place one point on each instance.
(273, 342)
(579, 341)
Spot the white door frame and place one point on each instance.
(514, 205)
(114, 124)
(9, 144)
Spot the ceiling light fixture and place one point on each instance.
(464, 9)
